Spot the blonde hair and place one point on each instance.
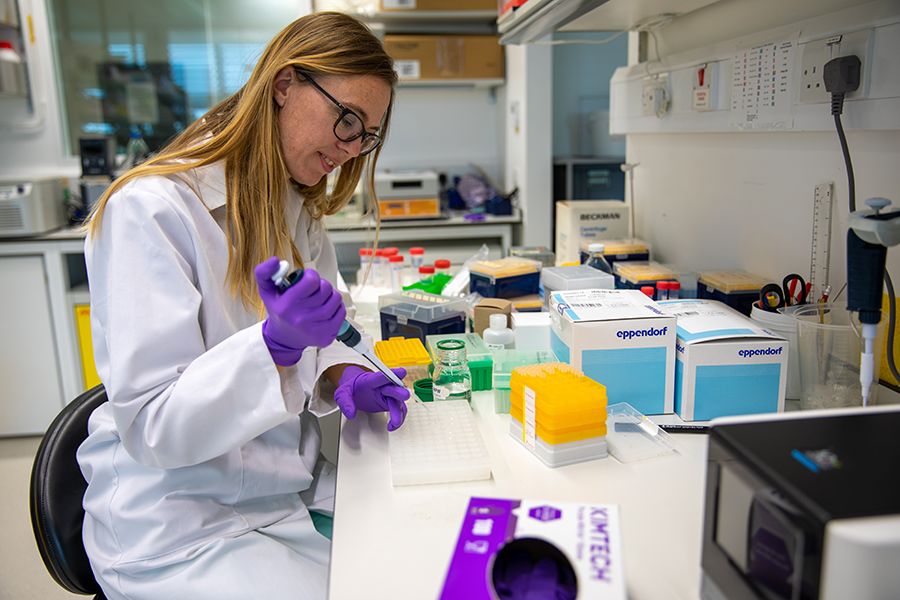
(243, 131)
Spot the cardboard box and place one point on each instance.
(620, 338)
(587, 536)
(588, 220)
(443, 5)
(485, 308)
(725, 363)
(419, 57)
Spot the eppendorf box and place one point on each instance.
(621, 339)
(725, 364)
(502, 543)
(579, 221)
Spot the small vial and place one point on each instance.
(451, 379)
(498, 336)
(662, 290)
(597, 259)
(674, 290)
(426, 271)
(442, 265)
(390, 251)
(396, 262)
(649, 291)
(380, 269)
(366, 256)
(417, 256)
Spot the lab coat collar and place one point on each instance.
(211, 187)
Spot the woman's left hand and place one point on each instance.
(363, 390)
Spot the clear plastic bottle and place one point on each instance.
(498, 336)
(396, 262)
(662, 290)
(442, 265)
(136, 151)
(674, 290)
(451, 379)
(596, 258)
(417, 256)
(12, 73)
(366, 258)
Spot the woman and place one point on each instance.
(203, 469)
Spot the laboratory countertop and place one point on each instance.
(396, 542)
(334, 223)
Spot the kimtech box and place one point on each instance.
(621, 339)
(588, 220)
(725, 364)
(502, 542)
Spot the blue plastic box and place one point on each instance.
(737, 289)
(508, 277)
(414, 314)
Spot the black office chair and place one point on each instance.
(57, 490)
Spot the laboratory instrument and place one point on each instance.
(31, 206)
(347, 334)
(452, 378)
(407, 194)
(871, 232)
(803, 505)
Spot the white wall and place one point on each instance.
(447, 128)
(528, 139)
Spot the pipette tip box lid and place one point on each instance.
(631, 436)
(416, 314)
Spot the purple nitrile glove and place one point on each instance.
(363, 390)
(309, 313)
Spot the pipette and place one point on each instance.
(347, 334)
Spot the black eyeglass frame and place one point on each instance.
(344, 112)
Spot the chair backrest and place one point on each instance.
(57, 489)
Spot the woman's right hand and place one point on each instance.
(309, 313)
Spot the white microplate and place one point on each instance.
(438, 444)
(631, 436)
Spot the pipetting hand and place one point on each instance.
(309, 313)
(363, 390)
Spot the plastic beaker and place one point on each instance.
(829, 351)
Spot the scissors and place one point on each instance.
(793, 290)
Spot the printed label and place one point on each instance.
(495, 346)
(440, 393)
(408, 69)
(528, 430)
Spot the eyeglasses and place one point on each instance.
(348, 126)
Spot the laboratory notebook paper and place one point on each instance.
(587, 535)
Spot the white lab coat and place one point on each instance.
(201, 466)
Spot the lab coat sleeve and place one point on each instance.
(175, 401)
(322, 253)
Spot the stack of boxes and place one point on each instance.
(558, 413)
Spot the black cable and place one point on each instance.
(851, 180)
(892, 321)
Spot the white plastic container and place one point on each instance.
(784, 325)
(498, 336)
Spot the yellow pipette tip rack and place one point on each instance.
(402, 352)
(568, 405)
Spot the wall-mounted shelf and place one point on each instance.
(428, 16)
(538, 18)
(428, 83)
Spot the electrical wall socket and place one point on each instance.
(655, 97)
(818, 52)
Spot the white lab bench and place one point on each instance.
(397, 542)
